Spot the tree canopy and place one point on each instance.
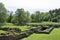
(21, 17)
(3, 13)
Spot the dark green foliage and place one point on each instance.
(55, 15)
(2, 14)
(36, 17)
(33, 18)
(55, 19)
(22, 16)
(9, 20)
(52, 15)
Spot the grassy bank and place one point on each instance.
(46, 23)
(54, 35)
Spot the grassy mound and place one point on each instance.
(54, 35)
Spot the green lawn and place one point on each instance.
(1, 31)
(54, 35)
(44, 23)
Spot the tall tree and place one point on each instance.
(37, 13)
(33, 17)
(28, 19)
(3, 12)
(9, 20)
(21, 16)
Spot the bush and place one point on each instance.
(55, 19)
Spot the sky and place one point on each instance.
(31, 5)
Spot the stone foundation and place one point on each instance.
(9, 37)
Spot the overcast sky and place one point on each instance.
(31, 5)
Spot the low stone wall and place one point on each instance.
(26, 33)
(36, 25)
(44, 30)
(56, 26)
(5, 37)
(9, 29)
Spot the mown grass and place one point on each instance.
(54, 35)
(1, 31)
(46, 23)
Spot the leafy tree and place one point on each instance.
(54, 14)
(3, 12)
(37, 16)
(9, 20)
(55, 19)
(46, 16)
(21, 16)
(28, 19)
(33, 17)
(14, 19)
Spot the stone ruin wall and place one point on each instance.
(7, 37)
